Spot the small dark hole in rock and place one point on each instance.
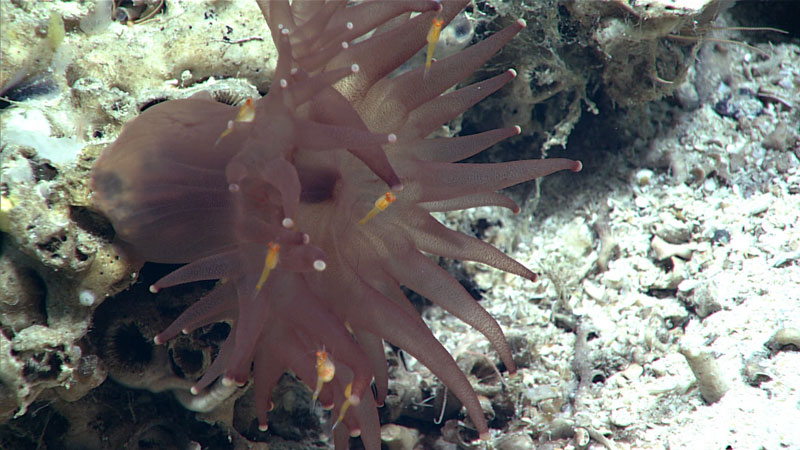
(479, 228)
(50, 246)
(80, 256)
(44, 172)
(721, 237)
(42, 366)
(91, 222)
(130, 346)
(35, 286)
(185, 361)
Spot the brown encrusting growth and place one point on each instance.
(312, 205)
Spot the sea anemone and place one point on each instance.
(312, 205)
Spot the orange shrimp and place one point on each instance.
(246, 114)
(433, 39)
(325, 372)
(270, 262)
(381, 204)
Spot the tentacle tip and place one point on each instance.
(522, 23)
(345, 45)
(577, 167)
(355, 432)
(262, 427)
(391, 138)
(227, 381)
(485, 436)
(320, 265)
(397, 187)
(194, 391)
(513, 73)
(516, 210)
(287, 223)
(158, 340)
(517, 130)
(354, 400)
(327, 406)
(283, 83)
(185, 331)
(233, 187)
(271, 406)
(355, 68)
(533, 276)
(154, 289)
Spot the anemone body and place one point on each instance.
(274, 198)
